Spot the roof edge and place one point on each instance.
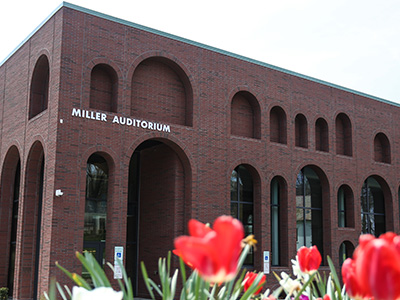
(197, 44)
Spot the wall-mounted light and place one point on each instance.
(59, 193)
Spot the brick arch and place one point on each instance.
(388, 199)
(301, 131)
(257, 201)
(31, 228)
(161, 90)
(277, 125)
(111, 94)
(158, 189)
(382, 152)
(321, 135)
(103, 88)
(279, 210)
(9, 172)
(326, 209)
(344, 140)
(39, 86)
(345, 198)
(245, 115)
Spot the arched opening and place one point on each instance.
(311, 190)
(301, 131)
(242, 202)
(321, 135)
(382, 148)
(39, 87)
(373, 206)
(157, 186)
(245, 115)
(277, 126)
(32, 222)
(346, 250)
(10, 192)
(344, 142)
(94, 234)
(103, 88)
(345, 206)
(279, 222)
(161, 91)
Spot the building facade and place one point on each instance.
(115, 135)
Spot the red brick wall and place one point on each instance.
(199, 147)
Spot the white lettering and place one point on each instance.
(115, 120)
(150, 125)
(159, 127)
(104, 117)
(122, 120)
(129, 121)
(166, 128)
(87, 114)
(143, 124)
(98, 116)
(76, 112)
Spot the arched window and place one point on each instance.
(321, 135)
(39, 87)
(245, 115)
(277, 126)
(242, 201)
(372, 207)
(382, 148)
(346, 250)
(301, 131)
(278, 221)
(309, 209)
(345, 206)
(103, 88)
(94, 236)
(343, 135)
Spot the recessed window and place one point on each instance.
(103, 88)
(162, 91)
(321, 135)
(245, 116)
(39, 87)
(301, 131)
(382, 148)
(309, 209)
(277, 125)
(242, 202)
(345, 207)
(94, 236)
(278, 221)
(346, 250)
(343, 135)
(372, 207)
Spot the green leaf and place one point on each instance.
(146, 280)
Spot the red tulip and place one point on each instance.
(249, 279)
(214, 253)
(309, 259)
(374, 271)
(354, 288)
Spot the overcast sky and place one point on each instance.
(351, 43)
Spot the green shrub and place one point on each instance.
(3, 293)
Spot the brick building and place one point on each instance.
(114, 134)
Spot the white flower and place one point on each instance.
(106, 293)
(289, 285)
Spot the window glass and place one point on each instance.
(309, 209)
(242, 201)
